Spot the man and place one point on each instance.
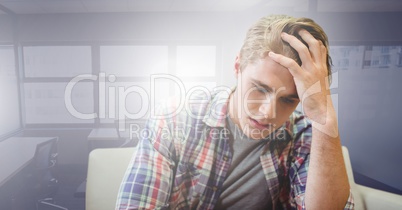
(249, 148)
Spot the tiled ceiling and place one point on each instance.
(90, 6)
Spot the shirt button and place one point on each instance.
(214, 188)
(225, 158)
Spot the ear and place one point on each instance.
(237, 66)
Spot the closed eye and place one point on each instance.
(287, 100)
(260, 89)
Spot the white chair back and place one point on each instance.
(106, 169)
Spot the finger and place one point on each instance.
(324, 52)
(301, 48)
(313, 45)
(286, 62)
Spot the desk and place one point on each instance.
(16, 153)
(102, 134)
(109, 137)
(103, 138)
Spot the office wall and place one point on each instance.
(9, 95)
(228, 28)
(6, 32)
(183, 27)
(373, 141)
(370, 99)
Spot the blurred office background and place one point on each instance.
(45, 44)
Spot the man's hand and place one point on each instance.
(311, 78)
(327, 183)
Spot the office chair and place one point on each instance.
(106, 169)
(123, 140)
(42, 182)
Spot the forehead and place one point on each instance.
(270, 73)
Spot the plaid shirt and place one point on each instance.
(183, 160)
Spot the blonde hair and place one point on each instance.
(265, 36)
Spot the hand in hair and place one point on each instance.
(326, 162)
(311, 78)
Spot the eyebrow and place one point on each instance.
(266, 87)
(294, 96)
(270, 90)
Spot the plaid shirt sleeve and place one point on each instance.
(298, 187)
(299, 168)
(148, 180)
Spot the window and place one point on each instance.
(122, 80)
(48, 71)
(166, 68)
(196, 61)
(57, 61)
(46, 103)
(9, 94)
(134, 61)
(130, 100)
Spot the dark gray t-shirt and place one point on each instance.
(245, 186)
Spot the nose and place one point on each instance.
(268, 109)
